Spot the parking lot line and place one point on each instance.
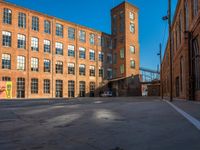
(191, 119)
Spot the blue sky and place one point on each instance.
(96, 14)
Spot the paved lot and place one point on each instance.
(97, 124)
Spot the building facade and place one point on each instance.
(185, 53)
(46, 57)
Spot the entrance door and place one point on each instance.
(59, 88)
(82, 88)
(20, 87)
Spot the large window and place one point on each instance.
(71, 88)
(101, 56)
(82, 52)
(47, 27)
(7, 16)
(109, 58)
(122, 22)
(92, 39)
(34, 64)
(21, 20)
(47, 65)
(132, 28)
(47, 46)
(109, 73)
(195, 7)
(59, 88)
(82, 36)
(59, 48)
(21, 63)
(100, 72)
(82, 70)
(122, 68)
(181, 73)
(59, 30)
(6, 39)
(132, 49)
(122, 53)
(71, 50)
(132, 62)
(34, 86)
(35, 23)
(59, 67)
(196, 62)
(92, 89)
(82, 88)
(21, 41)
(71, 68)
(46, 86)
(186, 15)
(71, 33)
(20, 87)
(114, 25)
(92, 55)
(6, 61)
(115, 58)
(92, 71)
(34, 44)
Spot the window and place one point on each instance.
(82, 88)
(92, 71)
(92, 89)
(131, 15)
(21, 41)
(109, 58)
(115, 58)
(47, 46)
(82, 70)
(186, 16)
(46, 86)
(109, 73)
(100, 72)
(92, 39)
(6, 38)
(71, 33)
(122, 68)
(59, 67)
(114, 44)
(82, 52)
(34, 86)
(195, 7)
(101, 56)
(122, 53)
(59, 30)
(114, 73)
(82, 36)
(92, 55)
(47, 27)
(20, 87)
(21, 20)
(132, 28)
(4, 78)
(34, 64)
(71, 88)
(7, 16)
(181, 73)
(21, 63)
(132, 49)
(6, 61)
(59, 48)
(34, 44)
(122, 22)
(71, 68)
(196, 62)
(71, 50)
(35, 23)
(47, 67)
(59, 88)
(180, 26)
(114, 25)
(132, 64)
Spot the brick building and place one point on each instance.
(46, 57)
(185, 52)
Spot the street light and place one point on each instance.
(168, 17)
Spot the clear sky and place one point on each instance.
(96, 14)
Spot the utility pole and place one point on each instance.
(170, 49)
(161, 83)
